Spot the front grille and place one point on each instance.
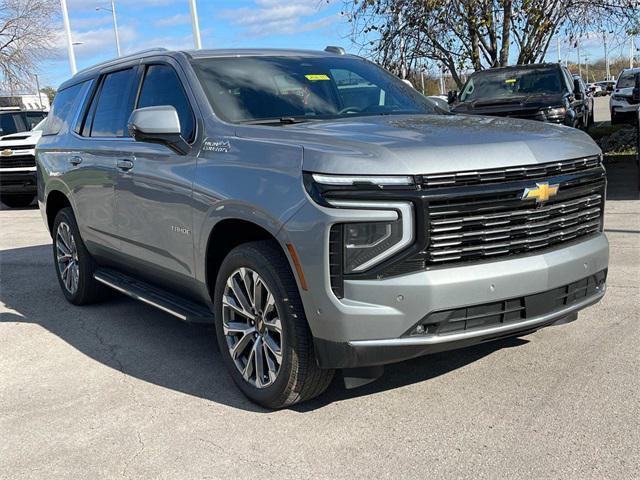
(484, 225)
(527, 172)
(18, 161)
(512, 310)
(17, 148)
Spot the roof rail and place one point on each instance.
(114, 60)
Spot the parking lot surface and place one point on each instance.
(122, 390)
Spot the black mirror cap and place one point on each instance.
(172, 140)
(452, 96)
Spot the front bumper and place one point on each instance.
(368, 353)
(370, 324)
(18, 181)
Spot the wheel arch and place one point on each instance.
(56, 200)
(232, 232)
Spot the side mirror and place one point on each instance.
(577, 92)
(635, 96)
(159, 124)
(452, 96)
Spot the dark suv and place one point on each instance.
(545, 92)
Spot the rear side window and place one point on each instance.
(162, 86)
(112, 105)
(62, 104)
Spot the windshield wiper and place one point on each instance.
(275, 121)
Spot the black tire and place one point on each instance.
(299, 378)
(615, 119)
(88, 290)
(18, 201)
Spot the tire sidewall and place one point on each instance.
(256, 261)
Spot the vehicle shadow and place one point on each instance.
(622, 178)
(152, 346)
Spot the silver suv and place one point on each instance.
(320, 212)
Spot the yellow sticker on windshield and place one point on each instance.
(314, 78)
(510, 80)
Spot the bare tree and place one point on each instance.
(26, 36)
(477, 34)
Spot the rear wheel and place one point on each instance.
(74, 265)
(18, 201)
(262, 330)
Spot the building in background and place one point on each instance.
(25, 102)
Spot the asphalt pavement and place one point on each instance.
(122, 390)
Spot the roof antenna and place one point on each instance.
(337, 50)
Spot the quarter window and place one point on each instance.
(62, 104)
(113, 105)
(162, 86)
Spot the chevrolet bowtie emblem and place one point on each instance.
(541, 193)
(6, 152)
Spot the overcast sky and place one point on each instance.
(307, 24)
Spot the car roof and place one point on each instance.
(629, 70)
(94, 70)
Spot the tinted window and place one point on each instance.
(627, 80)
(248, 89)
(8, 123)
(33, 118)
(113, 105)
(62, 104)
(512, 82)
(162, 86)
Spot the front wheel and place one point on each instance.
(262, 330)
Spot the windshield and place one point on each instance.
(14, 122)
(511, 83)
(248, 89)
(627, 80)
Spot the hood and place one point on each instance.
(422, 144)
(21, 138)
(627, 91)
(509, 105)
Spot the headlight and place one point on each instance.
(367, 244)
(619, 97)
(381, 180)
(556, 112)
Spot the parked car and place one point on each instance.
(607, 86)
(545, 92)
(18, 164)
(321, 213)
(587, 96)
(622, 106)
(595, 89)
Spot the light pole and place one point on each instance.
(39, 93)
(67, 32)
(115, 23)
(606, 56)
(195, 25)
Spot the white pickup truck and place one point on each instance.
(18, 167)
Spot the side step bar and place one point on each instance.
(171, 303)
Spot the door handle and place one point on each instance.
(125, 164)
(75, 160)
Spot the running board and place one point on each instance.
(171, 303)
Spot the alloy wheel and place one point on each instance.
(252, 327)
(67, 257)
